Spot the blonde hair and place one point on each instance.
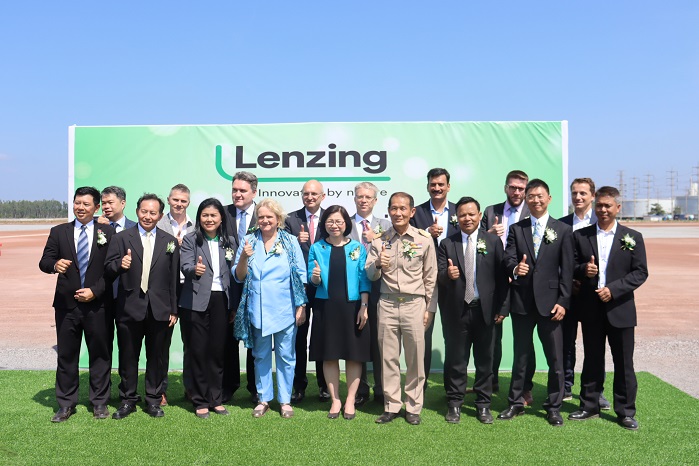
(273, 207)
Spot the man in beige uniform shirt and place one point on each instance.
(404, 258)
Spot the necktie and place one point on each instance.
(468, 271)
(365, 227)
(147, 256)
(241, 227)
(311, 229)
(537, 238)
(83, 254)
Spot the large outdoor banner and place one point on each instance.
(394, 156)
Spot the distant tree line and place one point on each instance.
(33, 209)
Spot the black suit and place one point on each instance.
(614, 320)
(487, 221)
(533, 296)
(293, 225)
(423, 219)
(231, 363)
(140, 314)
(94, 318)
(466, 324)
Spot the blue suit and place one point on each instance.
(357, 281)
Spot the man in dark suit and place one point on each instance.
(83, 303)
(146, 260)
(474, 287)
(582, 192)
(303, 224)
(113, 204)
(240, 219)
(539, 257)
(365, 227)
(496, 220)
(438, 217)
(610, 264)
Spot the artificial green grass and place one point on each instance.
(667, 416)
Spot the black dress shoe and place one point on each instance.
(63, 414)
(483, 415)
(628, 423)
(124, 410)
(359, 400)
(349, 417)
(154, 411)
(323, 394)
(582, 415)
(100, 412)
(297, 397)
(386, 417)
(554, 418)
(412, 419)
(204, 415)
(453, 415)
(511, 413)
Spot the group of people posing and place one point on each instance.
(249, 272)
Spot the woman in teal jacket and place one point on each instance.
(340, 330)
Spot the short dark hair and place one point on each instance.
(403, 195)
(116, 190)
(333, 209)
(246, 176)
(88, 191)
(180, 187)
(468, 200)
(609, 191)
(221, 232)
(518, 174)
(587, 181)
(435, 172)
(537, 183)
(150, 197)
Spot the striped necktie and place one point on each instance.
(365, 227)
(83, 254)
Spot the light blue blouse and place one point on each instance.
(355, 254)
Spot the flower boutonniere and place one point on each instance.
(277, 249)
(252, 229)
(354, 255)
(409, 249)
(550, 235)
(454, 220)
(627, 242)
(101, 238)
(170, 247)
(229, 254)
(481, 247)
(378, 230)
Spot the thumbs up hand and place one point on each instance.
(522, 268)
(591, 268)
(435, 230)
(200, 268)
(247, 250)
(497, 228)
(452, 270)
(315, 277)
(126, 260)
(304, 237)
(384, 258)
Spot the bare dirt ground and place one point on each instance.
(667, 336)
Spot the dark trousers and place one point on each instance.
(551, 336)
(300, 377)
(130, 337)
(364, 388)
(497, 359)
(206, 333)
(570, 334)
(621, 342)
(98, 327)
(231, 366)
(464, 328)
(186, 379)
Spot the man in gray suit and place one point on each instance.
(366, 227)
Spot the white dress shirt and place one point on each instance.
(214, 251)
(588, 219)
(88, 231)
(442, 220)
(605, 242)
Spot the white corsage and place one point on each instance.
(170, 247)
(277, 249)
(252, 229)
(101, 238)
(454, 220)
(354, 255)
(229, 254)
(378, 231)
(481, 247)
(409, 249)
(550, 235)
(627, 242)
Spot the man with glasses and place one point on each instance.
(303, 224)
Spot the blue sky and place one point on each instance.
(624, 74)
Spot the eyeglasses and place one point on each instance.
(339, 223)
(515, 188)
(535, 197)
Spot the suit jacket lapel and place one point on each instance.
(529, 239)
(544, 245)
(135, 243)
(593, 243)
(459, 253)
(160, 247)
(617, 240)
(207, 254)
(94, 247)
(70, 238)
(479, 257)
